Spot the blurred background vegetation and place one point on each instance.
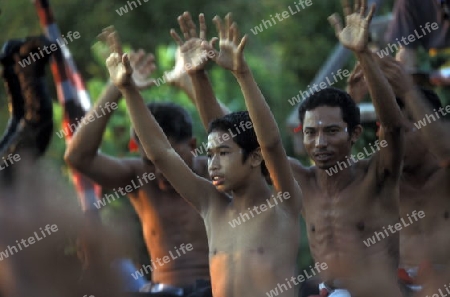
(284, 59)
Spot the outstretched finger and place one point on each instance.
(114, 43)
(183, 27)
(228, 29)
(190, 24)
(236, 34)
(176, 37)
(335, 21)
(357, 6)
(371, 13)
(347, 8)
(202, 22)
(219, 26)
(241, 46)
(364, 7)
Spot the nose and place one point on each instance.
(214, 163)
(321, 140)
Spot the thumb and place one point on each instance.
(209, 47)
(126, 64)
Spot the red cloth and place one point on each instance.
(425, 271)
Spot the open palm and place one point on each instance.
(355, 35)
(231, 55)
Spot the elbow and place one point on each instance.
(73, 159)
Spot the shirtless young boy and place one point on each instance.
(344, 209)
(253, 258)
(168, 222)
(424, 184)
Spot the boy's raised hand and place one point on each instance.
(118, 64)
(231, 55)
(355, 35)
(192, 55)
(142, 64)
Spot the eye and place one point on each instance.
(224, 153)
(209, 155)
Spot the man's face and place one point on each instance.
(325, 136)
(183, 148)
(225, 166)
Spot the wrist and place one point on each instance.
(243, 71)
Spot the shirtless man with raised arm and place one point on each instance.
(256, 256)
(344, 208)
(424, 184)
(168, 222)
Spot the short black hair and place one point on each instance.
(173, 119)
(333, 97)
(245, 139)
(431, 97)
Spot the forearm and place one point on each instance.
(383, 97)
(436, 134)
(151, 136)
(88, 137)
(205, 100)
(264, 123)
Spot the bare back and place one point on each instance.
(427, 239)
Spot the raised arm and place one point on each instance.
(195, 189)
(437, 133)
(83, 153)
(355, 37)
(195, 59)
(231, 57)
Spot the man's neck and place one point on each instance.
(335, 183)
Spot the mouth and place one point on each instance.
(217, 180)
(322, 157)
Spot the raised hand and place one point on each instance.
(355, 35)
(118, 64)
(143, 66)
(192, 56)
(231, 55)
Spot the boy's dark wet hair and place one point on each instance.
(174, 120)
(333, 97)
(245, 139)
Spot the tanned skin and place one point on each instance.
(166, 218)
(424, 185)
(253, 258)
(346, 208)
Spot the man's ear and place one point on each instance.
(256, 157)
(193, 143)
(357, 131)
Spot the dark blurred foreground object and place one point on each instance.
(30, 126)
